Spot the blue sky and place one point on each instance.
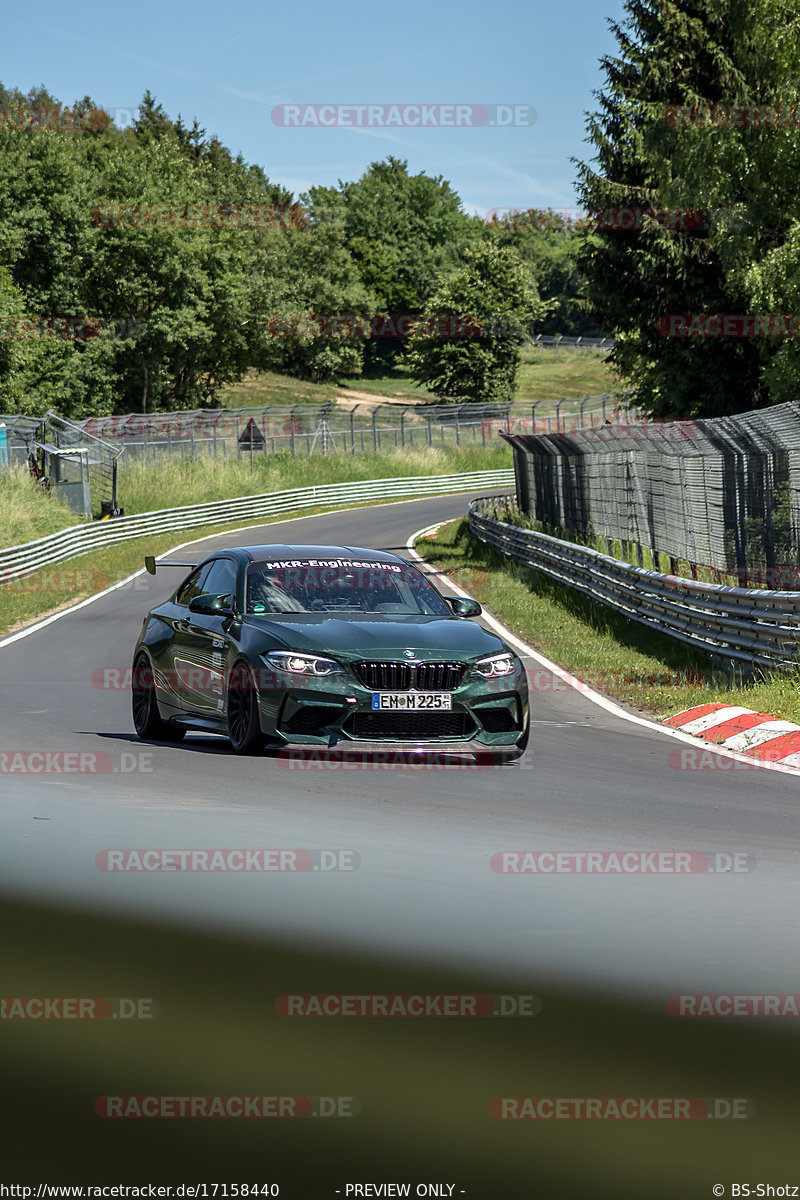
(230, 64)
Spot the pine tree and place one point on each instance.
(671, 55)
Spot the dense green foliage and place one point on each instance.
(550, 243)
(654, 150)
(493, 299)
(131, 237)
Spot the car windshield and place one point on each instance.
(341, 586)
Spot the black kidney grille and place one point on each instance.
(402, 676)
(405, 727)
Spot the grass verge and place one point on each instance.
(171, 482)
(643, 669)
(26, 511)
(545, 377)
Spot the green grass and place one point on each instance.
(171, 482)
(545, 377)
(645, 670)
(26, 511)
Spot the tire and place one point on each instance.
(244, 729)
(147, 720)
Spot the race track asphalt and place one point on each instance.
(425, 836)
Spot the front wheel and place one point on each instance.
(244, 729)
(147, 720)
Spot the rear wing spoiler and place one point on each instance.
(150, 564)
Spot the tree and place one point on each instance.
(550, 243)
(675, 54)
(496, 303)
(403, 233)
(313, 283)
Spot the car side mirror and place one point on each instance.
(210, 606)
(464, 607)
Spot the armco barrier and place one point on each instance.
(67, 543)
(757, 628)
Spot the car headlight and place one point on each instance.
(496, 666)
(302, 664)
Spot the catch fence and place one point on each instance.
(366, 427)
(722, 493)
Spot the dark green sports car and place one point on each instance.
(325, 646)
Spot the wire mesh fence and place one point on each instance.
(722, 493)
(307, 429)
(557, 341)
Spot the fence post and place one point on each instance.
(374, 429)
(238, 447)
(403, 426)
(558, 416)
(352, 429)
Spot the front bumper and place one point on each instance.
(338, 709)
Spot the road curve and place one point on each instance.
(424, 835)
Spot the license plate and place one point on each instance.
(412, 701)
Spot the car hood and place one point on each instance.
(428, 637)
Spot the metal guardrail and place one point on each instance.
(18, 561)
(753, 627)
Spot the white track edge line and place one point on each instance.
(582, 688)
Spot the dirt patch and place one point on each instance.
(348, 400)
